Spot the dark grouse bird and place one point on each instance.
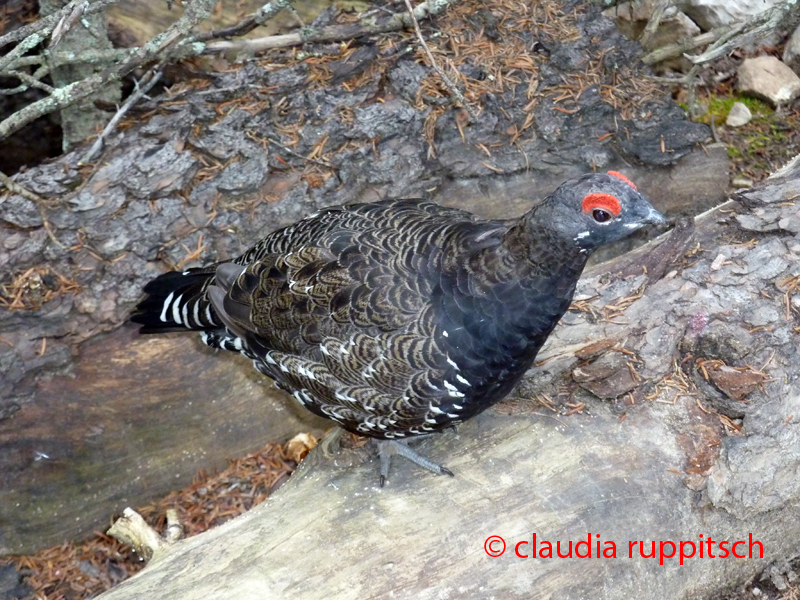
(403, 317)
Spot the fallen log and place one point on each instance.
(202, 173)
(663, 439)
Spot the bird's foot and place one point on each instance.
(389, 448)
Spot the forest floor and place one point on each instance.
(84, 569)
(767, 142)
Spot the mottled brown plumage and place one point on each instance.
(404, 317)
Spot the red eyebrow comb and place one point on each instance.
(602, 201)
(625, 179)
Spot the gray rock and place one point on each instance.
(675, 26)
(791, 54)
(636, 11)
(709, 14)
(739, 115)
(768, 78)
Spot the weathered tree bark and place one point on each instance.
(209, 171)
(133, 415)
(695, 334)
(82, 120)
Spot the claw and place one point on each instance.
(389, 448)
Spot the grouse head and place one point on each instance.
(595, 209)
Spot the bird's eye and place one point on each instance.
(600, 215)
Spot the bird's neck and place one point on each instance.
(522, 284)
(538, 252)
(501, 302)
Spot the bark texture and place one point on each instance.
(82, 120)
(701, 355)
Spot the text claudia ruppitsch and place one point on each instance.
(703, 547)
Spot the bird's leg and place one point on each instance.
(389, 448)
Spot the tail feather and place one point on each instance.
(177, 301)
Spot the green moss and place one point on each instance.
(720, 106)
(755, 145)
(734, 152)
(778, 133)
(756, 106)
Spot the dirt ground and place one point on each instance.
(768, 141)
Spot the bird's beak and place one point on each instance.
(643, 213)
(653, 217)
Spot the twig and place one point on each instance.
(15, 188)
(746, 32)
(159, 46)
(691, 87)
(31, 81)
(20, 49)
(42, 27)
(278, 41)
(261, 16)
(58, 59)
(65, 23)
(688, 81)
(144, 85)
(450, 85)
(654, 21)
(333, 33)
(714, 133)
(133, 530)
(677, 49)
(296, 16)
(288, 150)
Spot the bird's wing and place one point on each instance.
(337, 310)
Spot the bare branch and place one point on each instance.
(142, 87)
(58, 59)
(133, 530)
(677, 49)
(727, 40)
(24, 46)
(32, 81)
(747, 32)
(333, 33)
(173, 44)
(45, 25)
(261, 16)
(15, 188)
(654, 21)
(196, 11)
(66, 22)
